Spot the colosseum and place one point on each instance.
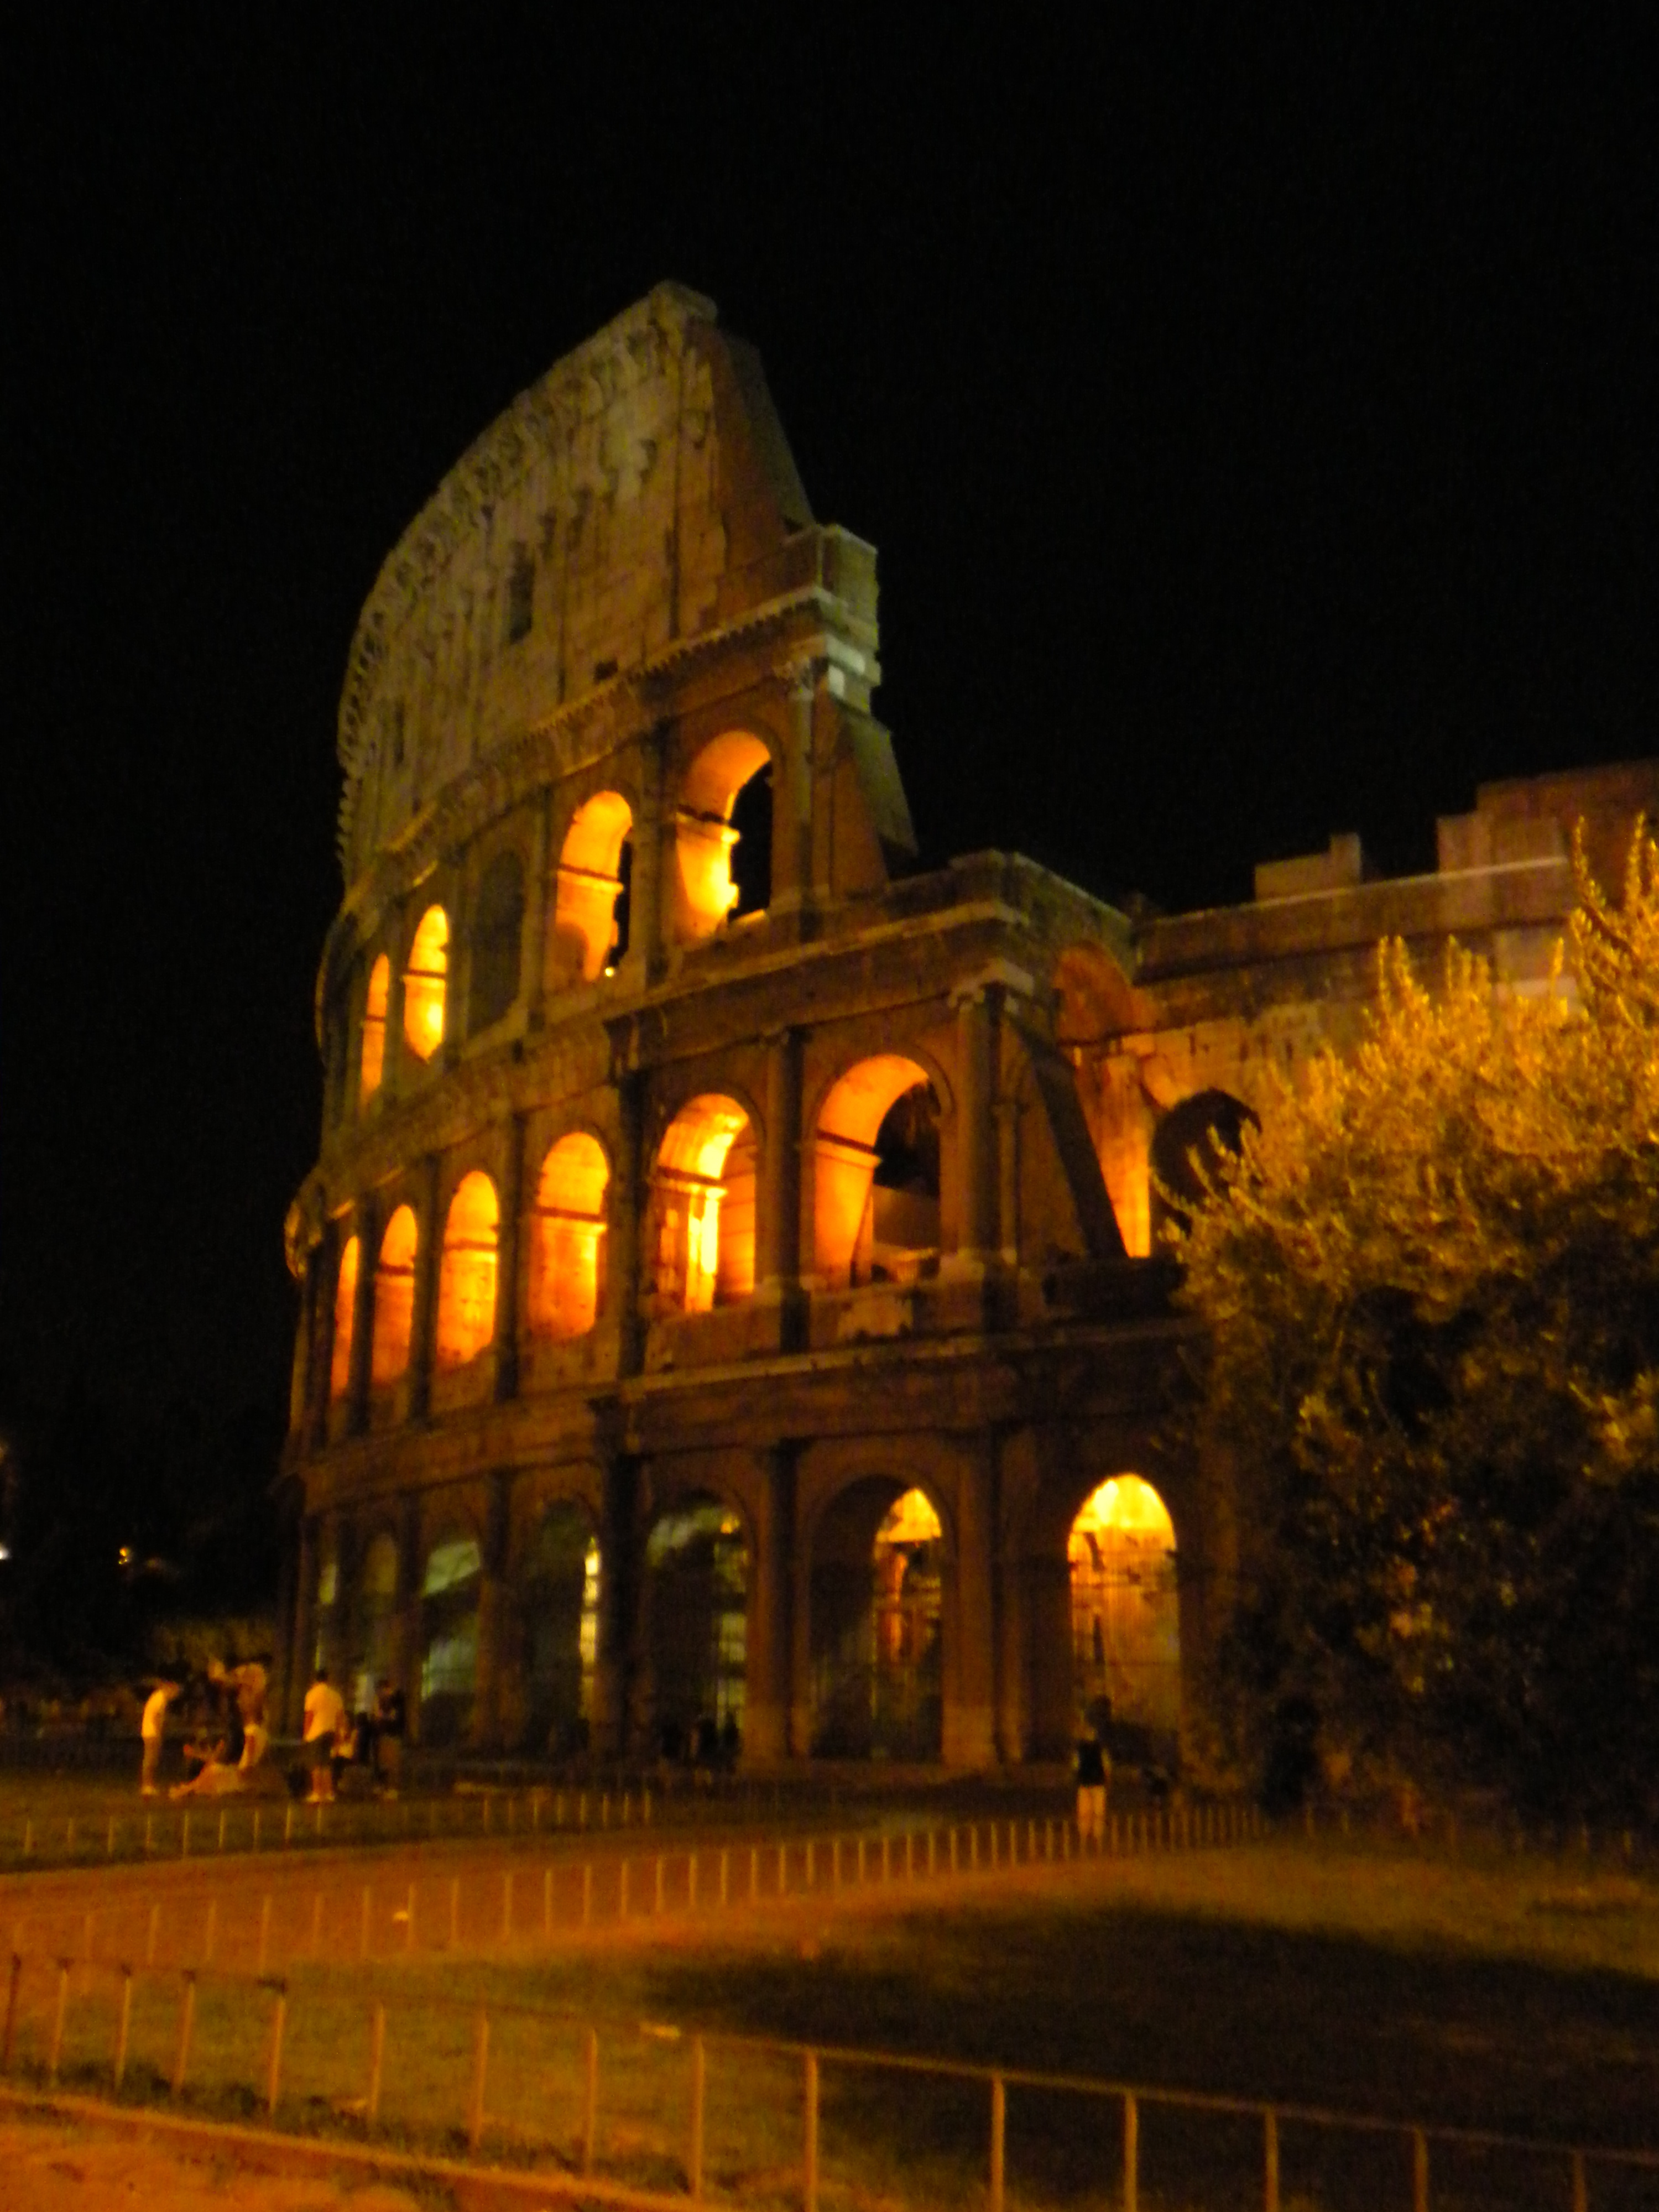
(730, 1308)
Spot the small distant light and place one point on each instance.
(123, 1557)
(611, 969)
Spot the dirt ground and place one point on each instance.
(50, 2166)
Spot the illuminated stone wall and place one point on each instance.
(723, 1279)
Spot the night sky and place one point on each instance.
(1257, 428)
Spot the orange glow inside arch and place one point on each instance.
(566, 1237)
(845, 1157)
(372, 1056)
(394, 1298)
(345, 1299)
(425, 981)
(466, 1277)
(589, 884)
(705, 1207)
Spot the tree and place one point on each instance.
(1430, 1282)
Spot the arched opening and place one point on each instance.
(590, 904)
(370, 1058)
(394, 1299)
(497, 931)
(345, 1303)
(377, 1607)
(449, 1637)
(560, 1617)
(703, 1207)
(712, 881)
(878, 1642)
(697, 1608)
(1187, 1145)
(466, 1275)
(876, 1169)
(568, 1237)
(425, 982)
(1126, 1624)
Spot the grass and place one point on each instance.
(1520, 1996)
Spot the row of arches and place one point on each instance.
(879, 1624)
(721, 871)
(875, 1207)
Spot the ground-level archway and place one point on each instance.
(696, 1623)
(451, 1586)
(559, 1613)
(1125, 1627)
(878, 1616)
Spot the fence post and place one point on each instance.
(274, 2071)
(809, 2133)
(475, 2111)
(123, 2029)
(187, 2022)
(1580, 2187)
(1131, 2153)
(999, 2138)
(12, 1981)
(590, 2097)
(1270, 2160)
(1419, 2171)
(699, 2072)
(56, 2050)
(376, 2062)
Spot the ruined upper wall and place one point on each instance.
(640, 494)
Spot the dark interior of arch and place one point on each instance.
(751, 856)
(1189, 1141)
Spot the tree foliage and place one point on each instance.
(1431, 1285)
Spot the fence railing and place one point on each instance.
(531, 1896)
(643, 2107)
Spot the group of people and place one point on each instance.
(338, 1741)
(226, 1749)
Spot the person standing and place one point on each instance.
(324, 1708)
(152, 1730)
(1093, 1772)
(389, 1713)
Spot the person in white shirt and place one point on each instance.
(323, 1706)
(152, 1729)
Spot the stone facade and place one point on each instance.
(694, 1194)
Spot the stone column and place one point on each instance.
(778, 1271)
(299, 1377)
(424, 1326)
(619, 1596)
(485, 1731)
(360, 1375)
(970, 1715)
(625, 1253)
(509, 1240)
(977, 1146)
(766, 1699)
(646, 903)
(535, 911)
(793, 795)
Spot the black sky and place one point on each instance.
(1257, 426)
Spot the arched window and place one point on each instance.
(449, 1640)
(712, 881)
(875, 1201)
(345, 1300)
(372, 1056)
(466, 1277)
(394, 1298)
(588, 915)
(425, 981)
(497, 930)
(703, 1207)
(696, 1566)
(567, 1238)
(1126, 1624)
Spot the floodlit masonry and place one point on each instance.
(729, 1318)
